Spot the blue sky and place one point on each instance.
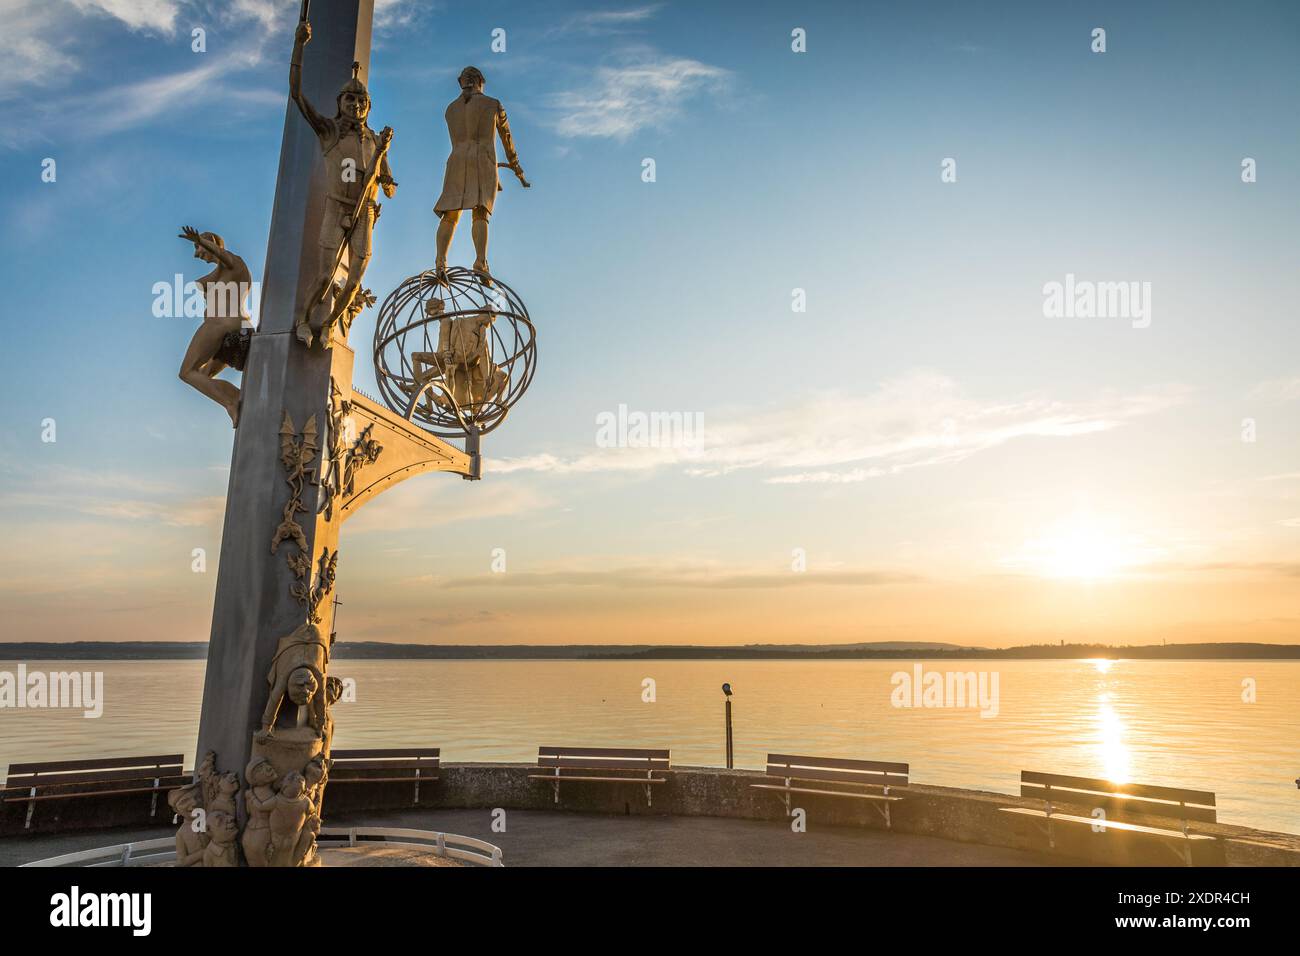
(938, 448)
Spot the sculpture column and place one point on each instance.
(284, 486)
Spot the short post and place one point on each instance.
(726, 689)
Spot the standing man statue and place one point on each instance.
(473, 121)
(356, 167)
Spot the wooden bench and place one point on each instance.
(609, 765)
(413, 765)
(34, 783)
(1137, 799)
(852, 779)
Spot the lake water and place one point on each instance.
(1180, 724)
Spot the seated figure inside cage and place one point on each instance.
(463, 362)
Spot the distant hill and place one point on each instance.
(103, 650)
(883, 650)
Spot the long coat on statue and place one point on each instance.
(471, 177)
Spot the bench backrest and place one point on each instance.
(871, 773)
(99, 774)
(1135, 798)
(398, 762)
(603, 758)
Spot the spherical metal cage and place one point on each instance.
(454, 353)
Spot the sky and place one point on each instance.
(840, 267)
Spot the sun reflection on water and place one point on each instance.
(1113, 753)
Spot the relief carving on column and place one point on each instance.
(365, 451)
(284, 782)
(296, 455)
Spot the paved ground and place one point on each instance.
(545, 838)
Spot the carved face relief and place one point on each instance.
(261, 772)
(222, 827)
(354, 105)
(333, 690)
(302, 686)
(293, 785)
(314, 772)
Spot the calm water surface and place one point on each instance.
(1174, 723)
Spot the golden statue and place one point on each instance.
(463, 361)
(224, 290)
(474, 121)
(356, 168)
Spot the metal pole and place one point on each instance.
(730, 754)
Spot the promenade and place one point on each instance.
(560, 838)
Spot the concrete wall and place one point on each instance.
(969, 816)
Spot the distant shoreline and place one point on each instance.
(893, 650)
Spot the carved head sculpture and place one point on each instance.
(222, 827)
(333, 690)
(302, 686)
(354, 98)
(228, 783)
(204, 254)
(471, 80)
(434, 307)
(184, 800)
(293, 785)
(314, 772)
(260, 772)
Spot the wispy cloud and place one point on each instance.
(106, 495)
(643, 88)
(134, 104)
(39, 40)
(396, 14)
(675, 576)
(1276, 390)
(153, 16)
(913, 421)
(426, 503)
(37, 51)
(33, 49)
(605, 22)
(1287, 569)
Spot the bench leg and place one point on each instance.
(415, 802)
(31, 809)
(153, 802)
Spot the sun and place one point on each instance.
(1080, 547)
(1083, 552)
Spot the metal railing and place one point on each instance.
(163, 850)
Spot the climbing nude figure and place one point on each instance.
(224, 290)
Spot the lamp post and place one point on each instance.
(726, 690)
